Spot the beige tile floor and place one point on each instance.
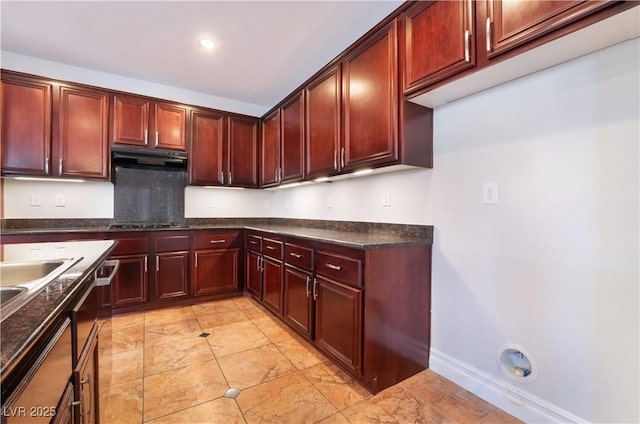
(157, 368)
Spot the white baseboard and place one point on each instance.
(502, 394)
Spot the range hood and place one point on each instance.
(131, 156)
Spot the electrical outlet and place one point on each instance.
(490, 193)
(386, 198)
(60, 200)
(36, 199)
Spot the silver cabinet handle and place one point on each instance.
(342, 157)
(332, 266)
(488, 34)
(157, 263)
(105, 281)
(46, 165)
(196, 259)
(145, 265)
(230, 180)
(221, 177)
(88, 381)
(146, 137)
(308, 290)
(217, 241)
(270, 247)
(335, 159)
(466, 46)
(258, 263)
(157, 138)
(296, 255)
(60, 166)
(315, 290)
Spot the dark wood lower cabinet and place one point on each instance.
(215, 271)
(272, 285)
(85, 381)
(339, 323)
(298, 300)
(129, 286)
(172, 275)
(253, 272)
(65, 411)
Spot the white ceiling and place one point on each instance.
(267, 48)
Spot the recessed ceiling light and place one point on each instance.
(207, 44)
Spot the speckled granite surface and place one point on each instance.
(21, 330)
(365, 235)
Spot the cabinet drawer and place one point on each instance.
(172, 243)
(215, 240)
(299, 256)
(254, 243)
(272, 248)
(128, 246)
(340, 268)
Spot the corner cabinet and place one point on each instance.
(242, 170)
(54, 130)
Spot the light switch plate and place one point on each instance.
(60, 200)
(36, 199)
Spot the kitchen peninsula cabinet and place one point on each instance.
(53, 130)
(171, 278)
(216, 262)
(142, 122)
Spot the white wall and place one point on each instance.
(82, 200)
(553, 266)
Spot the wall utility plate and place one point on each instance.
(490, 193)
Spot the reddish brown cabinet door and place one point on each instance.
(298, 302)
(272, 270)
(339, 322)
(26, 126)
(370, 101)
(172, 275)
(270, 151)
(253, 274)
(322, 132)
(80, 133)
(438, 41)
(206, 148)
(130, 120)
(242, 152)
(129, 286)
(215, 271)
(169, 126)
(137, 121)
(292, 140)
(513, 23)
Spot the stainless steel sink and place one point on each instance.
(8, 293)
(21, 281)
(12, 273)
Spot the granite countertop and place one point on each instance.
(362, 235)
(21, 331)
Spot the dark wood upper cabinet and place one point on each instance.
(370, 101)
(292, 139)
(270, 150)
(52, 129)
(438, 41)
(81, 133)
(243, 152)
(26, 125)
(139, 121)
(513, 23)
(206, 147)
(323, 136)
